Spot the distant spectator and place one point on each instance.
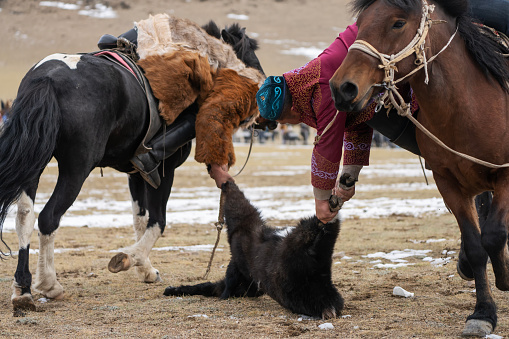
(304, 133)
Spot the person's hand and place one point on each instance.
(323, 212)
(220, 174)
(343, 194)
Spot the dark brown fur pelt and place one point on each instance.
(177, 80)
(232, 100)
(293, 269)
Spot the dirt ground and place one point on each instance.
(102, 304)
(105, 305)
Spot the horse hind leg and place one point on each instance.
(25, 220)
(70, 180)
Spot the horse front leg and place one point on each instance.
(494, 236)
(484, 319)
(25, 220)
(483, 203)
(137, 255)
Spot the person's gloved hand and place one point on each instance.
(345, 185)
(219, 173)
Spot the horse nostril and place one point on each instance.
(348, 91)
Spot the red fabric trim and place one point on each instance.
(119, 59)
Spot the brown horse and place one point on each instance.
(460, 80)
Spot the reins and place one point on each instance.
(388, 64)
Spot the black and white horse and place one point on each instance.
(87, 112)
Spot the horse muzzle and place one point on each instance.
(344, 97)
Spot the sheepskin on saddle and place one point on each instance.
(184, 64)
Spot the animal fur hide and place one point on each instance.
(161, 34)
(231, 101)
(178, 79)
(184, 64)
(294, 269)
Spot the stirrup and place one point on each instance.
(151, 177)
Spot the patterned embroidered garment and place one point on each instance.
(311, 97)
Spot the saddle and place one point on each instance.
(122, 51)
(126, 42)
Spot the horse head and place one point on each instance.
(393, 45)
(385, 31)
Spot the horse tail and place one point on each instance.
(27, 141)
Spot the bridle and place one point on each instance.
(388, 62)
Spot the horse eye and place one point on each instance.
(399, 24)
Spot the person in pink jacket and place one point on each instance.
(303, 95)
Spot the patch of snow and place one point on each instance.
(396, 255)
(237, 16)
(60, 5)
(399, 291)
(99, 11)
(309, 52)
(326, 326)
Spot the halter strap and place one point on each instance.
(388, 63)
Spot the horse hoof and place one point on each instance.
(461, 274)
(118, 263)
(157, 278)
(59, 297)
(150, 276)
(477, 328)
(24, 302)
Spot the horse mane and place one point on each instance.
(244, 42)
(212, 29)
(485, 51)
(235, 36)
